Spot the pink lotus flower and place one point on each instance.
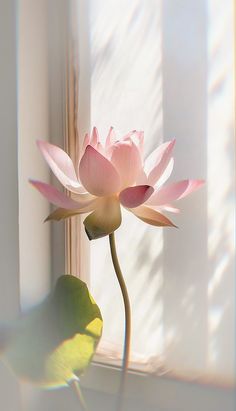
(110, 176)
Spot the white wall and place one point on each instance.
(33, 124)
(9, 232)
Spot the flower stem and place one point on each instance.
(76, 386)
(127, 338)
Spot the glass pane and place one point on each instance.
(167, 68)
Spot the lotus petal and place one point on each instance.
(166, 174)
(142, 178)
(167, 207)
(59, 162)
(111, 138)
(126, 158)
(78, 190)
(152, 217)
(134, 196)
(58, 198)
(62, 213)
(157, 161)
(97, 174)
(138, 138)
(94, 138)
(174, 191)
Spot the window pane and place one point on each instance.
(167, 68)
(126, 92)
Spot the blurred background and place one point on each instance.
(166, 67)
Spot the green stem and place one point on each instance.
(76, 387)
(127, 338)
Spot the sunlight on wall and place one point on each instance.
(185, 250)
(168, 70)
(221, 183)
(126, 94)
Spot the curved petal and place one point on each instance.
(193, 185)
(77, 190)
(104, 220)
(126, 158)
(94, 138)
(111, 138)
(142, 178)
(60, 199)
(157, 161)
(174, 191)
(62, 213)
(167, 207)
(97, 174)
(166, 174)
(140, 142)
(134, 196)
(59, 162)
(101, 149)
(138, 138)
(127, 136)
(152, 217)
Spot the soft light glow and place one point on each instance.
(170, 72)
(126, 72)
(221, 166)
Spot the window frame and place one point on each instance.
(152, 390)
(102, 376)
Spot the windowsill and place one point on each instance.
(164, 392)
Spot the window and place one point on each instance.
(167, 68)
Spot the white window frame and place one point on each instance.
(149, 389)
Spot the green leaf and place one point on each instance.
(55, 342)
